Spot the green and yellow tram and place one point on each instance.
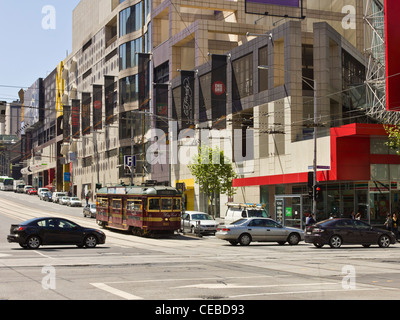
(140, 209)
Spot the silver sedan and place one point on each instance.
(245, 231)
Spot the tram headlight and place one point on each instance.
(166, 219)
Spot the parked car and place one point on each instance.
(32, 191)
(58, 195)
(90, 210)
(54, 231)
(190, 220)
(74, 202)
(41, 192)
(337, 232)
(247, 230)
(48, 196)
(64, 201)
(26, 188)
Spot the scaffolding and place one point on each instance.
(375, 51)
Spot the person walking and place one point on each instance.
(388, 222)
(395, 225)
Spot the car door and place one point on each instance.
(48, 231)
(365, 233)
(69, 232)
(347, 231)
(275, 231)
(257, 229)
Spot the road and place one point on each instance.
(185, 268)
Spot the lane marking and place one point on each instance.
(119, 293)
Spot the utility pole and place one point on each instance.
(315, 150)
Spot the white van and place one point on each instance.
(41, 192)
(58, 195)
(238, 211)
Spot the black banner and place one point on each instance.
(144, 81)
(187, 98)
(161, 97)
(218, 90)
(75, 119)
(86, 99)
(97, 107)
(109, 86)
(67, 123)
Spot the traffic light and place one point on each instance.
(317, 192)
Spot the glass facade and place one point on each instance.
(129, 89)
(131, 19)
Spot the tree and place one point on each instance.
(213, 172)
(394, 137)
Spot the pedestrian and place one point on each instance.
(358, 216)
(310, 220)
(395, 225)
(388, 222)
(352, 216)
(87, 199)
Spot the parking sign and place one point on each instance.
(129, 160)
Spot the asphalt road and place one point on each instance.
(185, 268)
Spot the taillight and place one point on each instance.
(223, 229)
(318, 230)
(21, 229)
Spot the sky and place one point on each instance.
(35, 35)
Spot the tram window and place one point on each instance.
(116, 204)
(154, 204)
(135, 205)
(166, 204)
(102, 202)
(176, 204)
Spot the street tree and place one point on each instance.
(214, 173)
(393, 137)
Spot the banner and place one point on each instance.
(86, 99)
(75, 119)
(218, 89)
(161, 97)
(144, 81)
(187, 99)
(67, 123)
(97, 107)
(109, 85)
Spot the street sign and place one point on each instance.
(320, 167)
(129, 160)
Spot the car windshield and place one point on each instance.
(75, 199)
(93, 206)
(257, 213)
(201, 217)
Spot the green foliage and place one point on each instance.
(213, 172)
(394, 137)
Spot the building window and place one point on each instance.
(131, 19)
(129, 89)
(263, 73)
(128, 54)
(243, 77)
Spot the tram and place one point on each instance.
(142, 210)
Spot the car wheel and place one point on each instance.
(384, 241)
(335, 241)
(245, 239)
(90, 241)
(33, 242)
(294, 239)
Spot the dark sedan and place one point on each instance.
(336, 232)
(33, 233)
